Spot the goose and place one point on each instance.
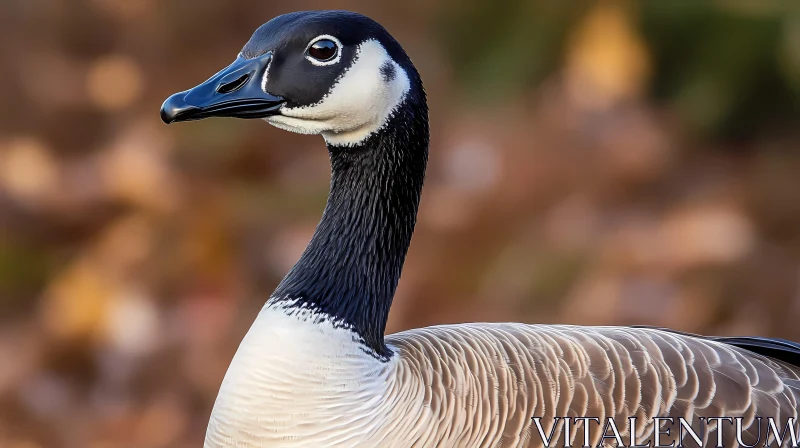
(316, 368)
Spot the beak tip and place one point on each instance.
(166, 117)
(175, 108)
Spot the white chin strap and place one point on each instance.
(360, 102)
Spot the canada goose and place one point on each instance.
(315, 368)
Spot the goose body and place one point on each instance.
(297, 382)
(316, 370)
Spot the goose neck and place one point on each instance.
(351, 267)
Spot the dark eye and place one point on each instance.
(323, 50)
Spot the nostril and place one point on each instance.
(234, 85)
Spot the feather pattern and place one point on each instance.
(298, 380)
(497, 376)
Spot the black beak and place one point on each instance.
(234, 92)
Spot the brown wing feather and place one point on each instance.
(484, 382)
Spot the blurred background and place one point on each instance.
(592, 163)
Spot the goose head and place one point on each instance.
(340, 75)
(334, 73)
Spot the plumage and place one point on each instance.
(506, 373)
(474, 385)
(315, 369)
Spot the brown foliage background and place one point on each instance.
(595, 163)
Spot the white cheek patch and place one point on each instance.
(359, 103)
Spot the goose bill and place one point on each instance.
(233, 92)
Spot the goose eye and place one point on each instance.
(323, 50)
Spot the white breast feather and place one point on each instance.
(297, 382)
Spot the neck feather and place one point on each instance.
(350, 269)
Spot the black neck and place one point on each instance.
(351, 267)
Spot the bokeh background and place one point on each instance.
(592, 163)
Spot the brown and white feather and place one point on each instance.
(297, 381)
(490, 379)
